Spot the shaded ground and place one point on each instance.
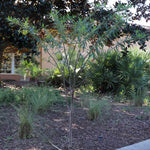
(127, 125)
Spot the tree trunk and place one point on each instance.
(70, 117)
(70, 127)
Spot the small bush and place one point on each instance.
(22, 95)
(137, 96)
(38, 99)
(85, 100)
(99, 110)
(103, 72)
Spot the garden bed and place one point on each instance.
(126, 125)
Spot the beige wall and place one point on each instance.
(47, 61)
(45, 56)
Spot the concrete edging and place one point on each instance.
(144, 145)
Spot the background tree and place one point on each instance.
(36, 11)
(142, 7)
(133, 33)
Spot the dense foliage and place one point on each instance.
(114, 72)
(56, 75)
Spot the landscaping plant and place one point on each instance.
(121, 75)
(25, 122)
(7, 96)
(42, 98)
(99, 109)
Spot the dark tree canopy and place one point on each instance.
(37, 13)
(34, 10)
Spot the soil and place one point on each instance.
(126, 125)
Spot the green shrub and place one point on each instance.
(86, 98)
(57, 79)
(33, 70)
(23, 94)
(113, 72)
(99, 110)
(104, 72)
(120, 96)
(137, 96)
(38, 99)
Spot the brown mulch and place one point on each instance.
(17, 84)
(126, 125)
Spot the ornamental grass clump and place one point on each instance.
(99, 110)
(42, 98)
(25, 123)
(86, 98)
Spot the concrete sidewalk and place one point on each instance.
(145, 145)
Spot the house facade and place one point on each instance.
(10, 63)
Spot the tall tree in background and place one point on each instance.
(36, 11)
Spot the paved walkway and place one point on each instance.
(145, 145)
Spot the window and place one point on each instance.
(10, 62)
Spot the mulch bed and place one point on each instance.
(126, 125)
